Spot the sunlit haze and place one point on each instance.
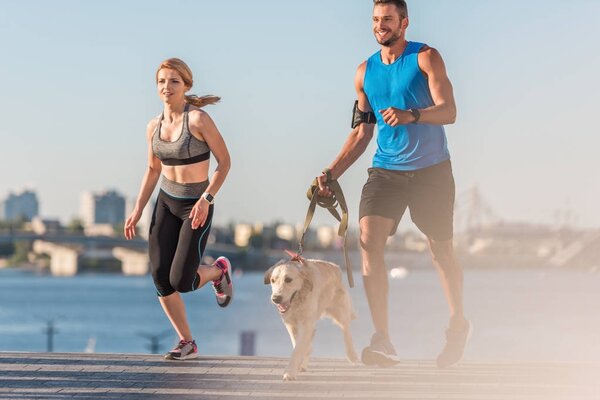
(78, 89)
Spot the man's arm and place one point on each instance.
(357, 141)
(443, 110)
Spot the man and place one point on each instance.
(405, 90)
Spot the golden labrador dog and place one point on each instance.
(305, 291)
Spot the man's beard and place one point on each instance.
(390, 42)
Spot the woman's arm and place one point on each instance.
(149, 181)
(202, 125)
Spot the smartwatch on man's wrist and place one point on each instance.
(415, 113)
(209, 197)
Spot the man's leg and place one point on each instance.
(451, 277)
(431, 203)
(374, 231)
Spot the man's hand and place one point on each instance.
(324, 190)
(394, 116)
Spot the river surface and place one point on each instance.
(518, 315)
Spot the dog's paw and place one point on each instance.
(353, 359)
(304, 366)
(289, 377)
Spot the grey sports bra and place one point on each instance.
(187, 149)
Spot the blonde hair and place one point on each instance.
(186, 74)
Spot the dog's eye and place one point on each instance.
(272, 280)
(288, 280)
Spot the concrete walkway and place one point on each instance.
(118, 376)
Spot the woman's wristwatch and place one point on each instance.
(209, 197)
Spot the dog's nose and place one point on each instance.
(276, 299)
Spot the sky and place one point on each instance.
(78, 90)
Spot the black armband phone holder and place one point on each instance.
(358, 117)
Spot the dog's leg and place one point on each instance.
(348, 343)
(304, 366)
(293, 332)
(303, 343)
(344, 323)
(342, 315)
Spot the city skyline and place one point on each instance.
(80, 91)
(472, 212)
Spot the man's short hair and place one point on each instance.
(401, 4)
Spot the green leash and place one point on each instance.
(331, 204)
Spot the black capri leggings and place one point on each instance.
(175, 248)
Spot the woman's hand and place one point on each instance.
(130, 223)
(199, 213)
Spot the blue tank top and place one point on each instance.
(403, 85)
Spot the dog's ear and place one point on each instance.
(307, 284)
(270, 271)
(268, 274)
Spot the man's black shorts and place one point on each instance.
(428, 193)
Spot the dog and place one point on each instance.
(305, 291)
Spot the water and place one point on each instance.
(518, 315)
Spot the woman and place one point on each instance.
(180, 141)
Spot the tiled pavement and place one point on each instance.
(118, 376)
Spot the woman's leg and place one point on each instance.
(174, 308)
(162, 242)
(187, 274)
(207, 273)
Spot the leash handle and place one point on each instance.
(343, 230)
(331, 205)
(348, 265)
(309, 214)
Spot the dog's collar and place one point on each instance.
(295, 257)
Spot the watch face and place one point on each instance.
(209, 197)
(415, 113)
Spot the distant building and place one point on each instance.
(326, 236)
(100, 208)
(21, 205)
(99, 230)
(242, 234)
(285, 231)
(45, 226)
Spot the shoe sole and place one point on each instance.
(188, 357)
(463, 354)
(228, 298)
(226, 302)
(370, 357)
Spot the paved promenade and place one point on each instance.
(118, 376)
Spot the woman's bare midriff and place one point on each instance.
(192, 173)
